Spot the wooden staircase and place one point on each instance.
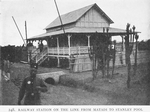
(40, 57)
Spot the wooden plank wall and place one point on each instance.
(92, 19)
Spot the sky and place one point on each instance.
(39, 13)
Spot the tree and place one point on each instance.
(100, 54)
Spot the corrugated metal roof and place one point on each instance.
(75, 15)
(114, 31)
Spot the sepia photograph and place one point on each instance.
(80, 55)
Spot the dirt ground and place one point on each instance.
(102, 91)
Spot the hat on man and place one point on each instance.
(34, 65)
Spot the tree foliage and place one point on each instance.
(144, 45)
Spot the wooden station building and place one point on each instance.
(80, 27)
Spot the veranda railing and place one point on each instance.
(65, 50)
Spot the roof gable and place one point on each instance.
(92, 18)
(76, 15)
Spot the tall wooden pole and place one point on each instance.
(135, 65)
(59, 16)
(114, 58)
(26, 31)
(108, 53)
(27, 42)
(128, 64)
(94, 57)
(103, 57)
(18, 29)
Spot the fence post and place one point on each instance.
(128, 55)
(135, 65)
(114, 57)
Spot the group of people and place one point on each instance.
(40, 45)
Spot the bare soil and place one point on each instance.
(102, 91)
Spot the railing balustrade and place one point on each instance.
(65, 50)
(34, 53)
(37, 55)
(42, 54)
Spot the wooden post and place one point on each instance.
(30, 56)
(69, 45)
(130, 37)
(58, 60)
(128, 64)
(103, 60)
(77, 57)
(135, 65)
(18, 30)
(92, 57)
(47, 45)
(133, 32)
(93, 52)
(57, 45)
(94, 66)
(88, 41)
(26, 31)
(122, 47)
(95, 56)
(114, 57)
(59, 17)
(108, 53)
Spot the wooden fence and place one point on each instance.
(83, 62)
(142, 57)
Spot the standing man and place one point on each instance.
(41, 49)
(6, 68)
(31, 88)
